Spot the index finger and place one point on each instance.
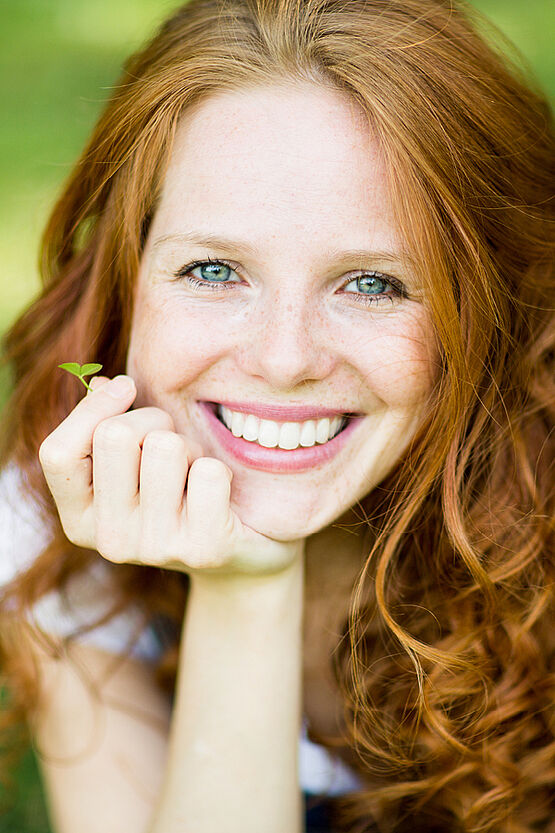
(65, 455)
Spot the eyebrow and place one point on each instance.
(234, 246)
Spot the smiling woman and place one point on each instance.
(309, 313)
(299, 548)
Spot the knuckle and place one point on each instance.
(218, 560)
(74, 532)
(151, 550)
(160, 417)
(53, 457)
(204, 553)
(163, 441)
(74, 536)
(195, 559)
(208, 467)
(116, 540)
(108, 548)
(113, 433)
(194, 549)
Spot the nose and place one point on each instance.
(285, 343)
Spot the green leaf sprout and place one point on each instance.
(81, 370)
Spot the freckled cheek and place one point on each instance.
(398, 369)
(168, 348)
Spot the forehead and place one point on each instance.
(279, 160)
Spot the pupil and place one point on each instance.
(215, 268)
(369, 282)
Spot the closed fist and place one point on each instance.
(127, 485)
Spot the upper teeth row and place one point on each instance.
(286, 435)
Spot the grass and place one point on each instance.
(28, 813)
(58, 60)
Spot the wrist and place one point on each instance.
(256, 595)
(236, 581)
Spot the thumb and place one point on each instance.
(97, 382)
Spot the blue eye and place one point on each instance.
(214, 273)
(370, 288)
(371, 285)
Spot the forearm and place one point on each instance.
(233, 750)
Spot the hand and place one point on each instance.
(127, 485)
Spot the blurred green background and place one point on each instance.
(58, 59)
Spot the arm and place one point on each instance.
(101, 760)
(158, 501)
(106, 764)
(233, 753)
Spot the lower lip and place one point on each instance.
(277, 459)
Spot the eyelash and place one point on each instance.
(361, 298)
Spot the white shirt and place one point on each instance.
(23, 536)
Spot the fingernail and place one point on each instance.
(95, 382)
(119, 387)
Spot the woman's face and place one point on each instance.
(291, 313)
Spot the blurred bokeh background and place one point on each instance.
(58, 60)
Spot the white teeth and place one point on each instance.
(308, 433)
(289, 435)
(322, 430)
(286, 435)
(225, 413)
(337, 424)
(268, 433)
(250, 431)
(237, 422)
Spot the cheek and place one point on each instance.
(172, 343)
(399, 363)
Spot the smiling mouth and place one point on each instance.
(286, 436)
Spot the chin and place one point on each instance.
(285, 522)
(277, 528)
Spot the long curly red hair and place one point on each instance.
(446, 659)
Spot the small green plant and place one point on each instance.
(81, 370)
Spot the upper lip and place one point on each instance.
(283, 413)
